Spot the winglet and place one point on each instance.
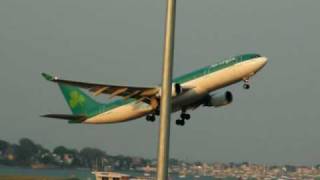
(48, 77)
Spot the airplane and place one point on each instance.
(189, 91)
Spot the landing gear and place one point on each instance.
(180, 122)
(246, 84)
(184, 116)
(151, 117)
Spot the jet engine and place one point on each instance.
(176, 89)
(219, 99)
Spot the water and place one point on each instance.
(82, 174)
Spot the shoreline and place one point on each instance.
(45, 167)
(20, 177)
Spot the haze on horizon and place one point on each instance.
(120, 42)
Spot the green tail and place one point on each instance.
(79, 102)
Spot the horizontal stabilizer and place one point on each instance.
(48, 77)
(66, 117)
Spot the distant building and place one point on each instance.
(110, 176)
(67, 158)
(10, 157)
(117, 176)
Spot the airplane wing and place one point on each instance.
(112, 90)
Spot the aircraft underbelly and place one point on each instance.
(121, 114)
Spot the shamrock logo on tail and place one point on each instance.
(76, 99)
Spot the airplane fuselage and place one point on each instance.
(200, 83)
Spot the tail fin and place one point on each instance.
(80, 103)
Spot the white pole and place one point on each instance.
(165, 109)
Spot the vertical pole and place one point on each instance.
(164, 129)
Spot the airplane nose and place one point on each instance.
(262, 61)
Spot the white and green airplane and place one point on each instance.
(189, 92)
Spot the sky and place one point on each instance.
(120, 42)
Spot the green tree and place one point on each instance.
(26, 151)
(60, 151)
(77, 160)
(91, 156)
(4, 145)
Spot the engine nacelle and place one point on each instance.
(176, 89)
(219, 99)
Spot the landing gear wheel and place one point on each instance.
(246, 86)
(151, 118)
(185, 116)
(180, 122)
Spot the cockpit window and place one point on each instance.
(256, 56)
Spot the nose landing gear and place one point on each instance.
(246, 84)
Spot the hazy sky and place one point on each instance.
(120, 42)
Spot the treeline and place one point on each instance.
(29, 154)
